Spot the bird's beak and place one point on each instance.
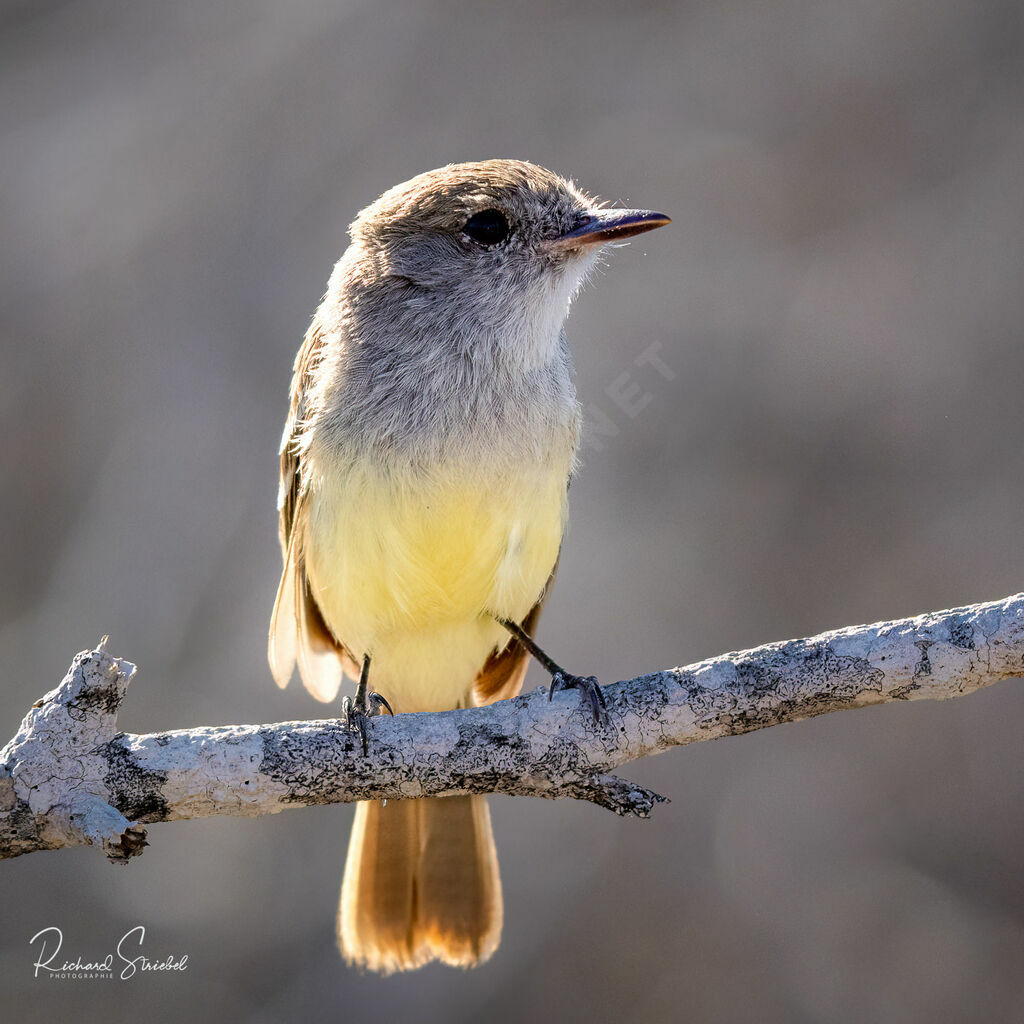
(608, 226)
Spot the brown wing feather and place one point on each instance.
(504, 671)
(298, 632)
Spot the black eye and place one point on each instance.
(488, 227)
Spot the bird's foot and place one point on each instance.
(357, 711)
(590, 694)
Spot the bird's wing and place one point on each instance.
(504, 671)
(298, 632)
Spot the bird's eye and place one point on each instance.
(489, 227)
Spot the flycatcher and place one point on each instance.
(426, 457)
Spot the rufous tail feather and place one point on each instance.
(421, 883)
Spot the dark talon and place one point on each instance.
(591, 693)
(378, 701)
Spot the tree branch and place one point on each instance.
(69, 778)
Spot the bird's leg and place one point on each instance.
(588, 685)
(366, 704)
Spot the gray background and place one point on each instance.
(840, 301)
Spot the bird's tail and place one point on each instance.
(421, 883)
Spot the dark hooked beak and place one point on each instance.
(608, 226)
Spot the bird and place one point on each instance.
(432, 432)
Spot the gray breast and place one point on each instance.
(439, 402)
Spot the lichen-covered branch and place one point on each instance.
(69, 778)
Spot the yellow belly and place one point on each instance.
(412, 568)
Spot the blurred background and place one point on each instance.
(831, 433)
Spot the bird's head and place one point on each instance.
(496, 248)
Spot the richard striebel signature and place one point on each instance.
(51, 941)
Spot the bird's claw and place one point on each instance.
(357, 713)
(590, 693)
(375, 701)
